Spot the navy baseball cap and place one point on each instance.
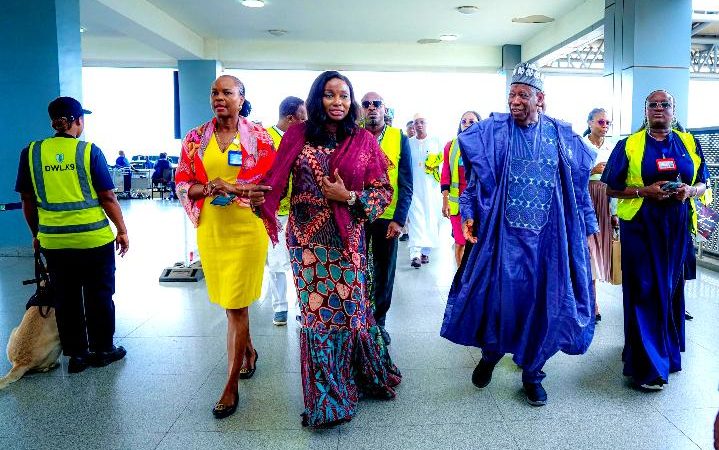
(66, 107)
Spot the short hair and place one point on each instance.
(246, 108)
(163, 155)
(410, 123)
(316, 125)
(590, 117)
(290, 105)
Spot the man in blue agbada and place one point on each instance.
(526, 287)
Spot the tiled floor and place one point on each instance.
(160, 396)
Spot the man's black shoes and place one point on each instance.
(101, 359)
(78, 364)
(482, 374)
(536, 395)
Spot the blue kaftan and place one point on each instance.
(657, 253)
(526, 288)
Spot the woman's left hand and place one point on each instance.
(683, 192)
(335, 191)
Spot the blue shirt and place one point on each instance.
(122, 161)
(615, 173)
(101, 179)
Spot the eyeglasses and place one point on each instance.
(603, 122)
(375, 103)
(664, 105)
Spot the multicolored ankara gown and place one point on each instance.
(342, 352)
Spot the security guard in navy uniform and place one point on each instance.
(67, 197)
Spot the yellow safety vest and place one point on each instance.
(69, 212)
(627, 207)
(433, 165)
(454, 157)
(284, 208)
(391, 146)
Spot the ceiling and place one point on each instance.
(375, 21)
(367, 34)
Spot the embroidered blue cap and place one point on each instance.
(529, 74)
(66, 107)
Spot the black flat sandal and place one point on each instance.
(246, 374)
(220, 410)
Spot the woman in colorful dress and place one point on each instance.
(339, 181)
(600, 244)
(453, 182)
(657, 173)
(220, 161)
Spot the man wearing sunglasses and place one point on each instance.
(526, 287)
(382, 234)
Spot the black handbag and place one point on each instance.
(42, 298)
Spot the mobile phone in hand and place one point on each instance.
(223, 200)
(670, 186)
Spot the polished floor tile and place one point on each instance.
(161, 395)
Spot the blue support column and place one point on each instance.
(195, 78)
(647, 43)
(511, 56)
(42, 60)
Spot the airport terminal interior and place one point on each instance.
(161, 395)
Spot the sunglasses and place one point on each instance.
(375, 103)
(603, 122)
(664, 105)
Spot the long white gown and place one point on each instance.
(425, 212)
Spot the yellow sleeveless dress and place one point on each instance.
(232, 241)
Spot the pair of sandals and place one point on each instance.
(220, 410)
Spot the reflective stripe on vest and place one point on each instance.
(69, 212)
(627, 208)
(275, 135)
(391, 146)
(454, 156)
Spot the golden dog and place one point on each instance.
(34, 346)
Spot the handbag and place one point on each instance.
(42, 298)
(707, 220)
(615, 275)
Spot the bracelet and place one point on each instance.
(696, 191)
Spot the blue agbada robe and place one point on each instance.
(527, 285)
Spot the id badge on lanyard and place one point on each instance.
(234, 158)
(666, 165)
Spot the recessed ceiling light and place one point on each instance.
(277, 32)
(467, 9)
(448, 37)
(536, 18)
(83, 29)
(253, 3)
(428, 41)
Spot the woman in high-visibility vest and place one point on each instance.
(657, 174)
(453, 182)
(600, 244)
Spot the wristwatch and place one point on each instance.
(353, 198)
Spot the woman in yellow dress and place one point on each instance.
(220, 161)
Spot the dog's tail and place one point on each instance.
(15, 374)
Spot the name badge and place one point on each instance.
(666, 165)
(234, 158)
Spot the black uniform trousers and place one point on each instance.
(384, 256)
(83, 282)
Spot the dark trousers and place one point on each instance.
(384, 255)
(533, 376)
(83, 282)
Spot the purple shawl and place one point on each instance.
(358, 158)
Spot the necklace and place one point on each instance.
(224, 145)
